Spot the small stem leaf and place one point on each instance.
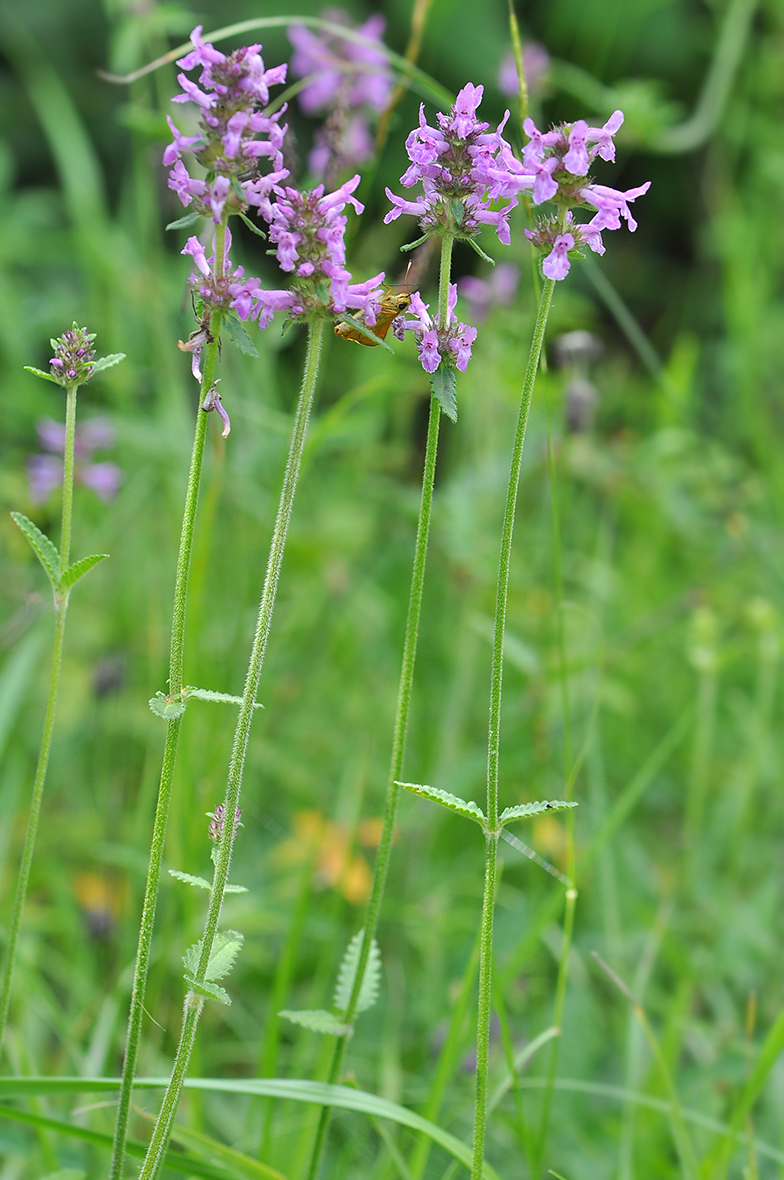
(79, 569)
(236, 889)
(443, 386)
(45, 551)
(197, 882)
(185, 222)
(225, 949)
(169, 708)
(206, 694)
(475, 246)
(525, 810)
(453, 802)
(191, 959)
(254, 228)
(318, 1021)
(239, 337)
(348, 969)
(107, 362)
(413, 245)
(363, 330)
(41, 373)
(210, 991)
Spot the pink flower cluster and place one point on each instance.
(450, 345)
(555, 168)
(456, 163)
(231, 88)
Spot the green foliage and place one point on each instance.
(225, 949)
(43, 548)
(317, 1020)
(79, 568)
(462, 806)
(368, 993)
(444, 388)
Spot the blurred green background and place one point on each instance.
(652, 533)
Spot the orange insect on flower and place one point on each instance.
(393, 304)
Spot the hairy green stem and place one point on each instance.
(60, 610)
(161, 820)
(193, 1002)
(400, 730)
(494, 735)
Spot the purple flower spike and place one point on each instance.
(307, 229)
(450, 345)
(457, 164)
(230, 90)
(555, 168)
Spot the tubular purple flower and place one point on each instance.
(450, 345)
(307, 229)
(231, 87)
(456, 164)
(230, 291)
(555, 168)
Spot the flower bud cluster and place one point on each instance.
(74, 358)
(555, 168)
(456, 163)
(450, 345)
(231, 88)
(217, 820)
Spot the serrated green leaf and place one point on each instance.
(191, 959)
(254, 228)
(210, 991)
(79, 569)
(206, 694)
(107, 362)
(525, 810)
(368, 993)
(317, 1021)
(166, 707)
(44, 550)
(203, 883)
(197, 882)
(443, 386)
(41, 373)
(288, 323)
(462, 806)
(239, 337)
(225, 948)
(184, 222)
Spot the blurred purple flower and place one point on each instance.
(455, 163)
(45, 472)
(350, 81)
(74, 358)
(500, 287)
(227, 147)
(536, 64)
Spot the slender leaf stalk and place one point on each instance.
(60, 610)
(494, 736)
(193, 1002)
(400, 730)
(160, 822)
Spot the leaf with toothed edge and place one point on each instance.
(41, 373)
(462, 806)
(526, 810)
(207, 694)
(317, 1020)
(44, 550)
(107, 362)
(202, 882)
(238, 336)
(210, 991)
(444, 389)
(368, 993)
(185, 222)
(79, 569)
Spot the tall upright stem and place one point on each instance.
(160, 822)
(60, 610)
(194, 1003)
(400, 730)
(494, 736)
